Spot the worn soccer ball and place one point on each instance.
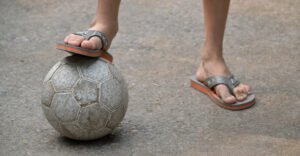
(84, 98)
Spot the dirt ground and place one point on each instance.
(157, 49)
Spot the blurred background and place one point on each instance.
(157, 49)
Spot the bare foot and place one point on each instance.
(215, 65)
(109, 30)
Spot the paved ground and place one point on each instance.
(157, 49)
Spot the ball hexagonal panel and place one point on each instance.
(96, 71)
(97, 133)
(116, 73)
(52, 71)
(116, 117)
(65, 107)
(72, 130)
(94, 116)
(75, 132)
(50, 116)
(86, 92)
(65, 77)
(47, 93)
(111, 93)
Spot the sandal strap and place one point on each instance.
(91, 33)
(235, 82)
(80, 33)
(212, 81)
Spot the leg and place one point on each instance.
(213, 63)
(105, 21)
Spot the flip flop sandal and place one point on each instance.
(88, 52)
(231, 82)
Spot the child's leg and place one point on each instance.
(105, 21)
(215, 15)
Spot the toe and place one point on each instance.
(66, 39)
(241, 92)
(75, 40)
(223, 92)
(93, 43)
(248, 89)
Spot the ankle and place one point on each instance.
(112, 27)
(212, 52)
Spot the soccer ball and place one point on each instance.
(84, 98)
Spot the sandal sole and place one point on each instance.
(85, 52)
